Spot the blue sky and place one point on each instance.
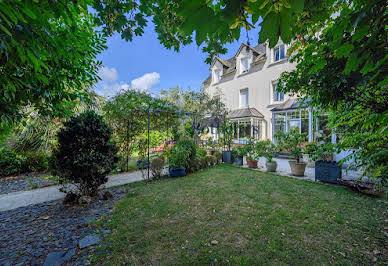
(146, 65)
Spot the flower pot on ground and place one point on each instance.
(238, 154)
(177, 172)
(227, 156)
(328, 172)
(292, 142)
(178, 158)
(271, 166)
(297, 168)
(227, 139)
(252, 163)
(326, 169)
(268, 150)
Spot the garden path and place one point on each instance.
(24, 198)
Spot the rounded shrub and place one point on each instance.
(11, 163)
(156, 167)
(218, 157)
(85, 154)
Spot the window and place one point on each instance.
(244, 66)
(217, 76)
(277, 95)
(279, 53)
(244, 98)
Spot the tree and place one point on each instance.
(47, 56)
(343, 69)
(85, 154)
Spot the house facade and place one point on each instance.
(247, 84)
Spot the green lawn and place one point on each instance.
(255, 217)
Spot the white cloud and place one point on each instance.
(109, 86)
(110, 89)
(108, 74)
(145, 82)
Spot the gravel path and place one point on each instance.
(24, 198)
(23, 182)
(29, 234)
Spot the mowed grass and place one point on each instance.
(256, 218)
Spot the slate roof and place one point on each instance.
(288, 105)
(230, 64)
(245, 113)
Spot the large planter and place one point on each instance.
(176, 172)
(238, 161)
(297, 169)
(252, 163)
(271, 166)
(327, 171)
(309, 161)
(227, 156)
(142, 164)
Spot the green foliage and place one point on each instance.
(269, 150)
(191, 148)
(48, 56)
(85, 153)
(291, 142)
(178, 157)
(239, 151)
(343, 70)
(11, 163)
(320, 152)
(37, 161)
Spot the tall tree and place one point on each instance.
(47, 56)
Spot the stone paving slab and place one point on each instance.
(24, 198)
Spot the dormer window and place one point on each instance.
(279, 53)
(216, 75)
(244, 66)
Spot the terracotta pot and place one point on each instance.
(297, 169)
(252, 163)
(271, 166)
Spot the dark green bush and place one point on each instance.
(85, 154)
(11, 163)
(37, 161)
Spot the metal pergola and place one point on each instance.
(177, 112)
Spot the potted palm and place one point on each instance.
(326, 169)
(292, 143)
(238, 155)
(269, 152)
(177, 157)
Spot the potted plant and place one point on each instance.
(269, 153)
(309, 149)
(228, 138)
(238, 155)
(251, 154)
(177, 157)
(326, 169)
(292, 142)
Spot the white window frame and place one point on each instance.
(274, 53)
(242, 70)
(247, 98)
(217, 73)
(273, 91)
